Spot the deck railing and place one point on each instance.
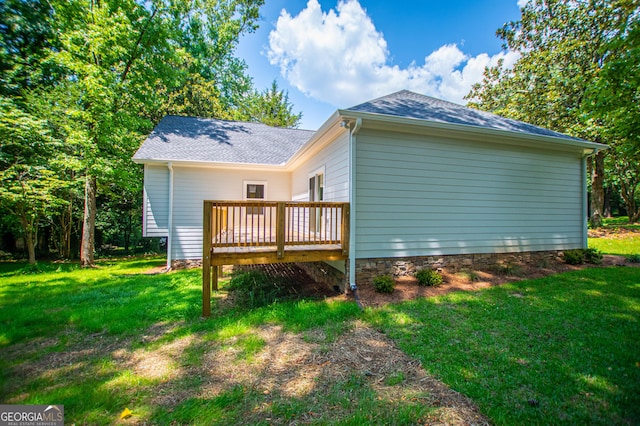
(245, 232)
(265, 223)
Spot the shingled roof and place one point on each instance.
(408, 104)
(195, 139)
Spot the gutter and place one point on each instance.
(353, 207)
(497, 135)
(170, 224)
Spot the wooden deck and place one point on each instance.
(261, 232)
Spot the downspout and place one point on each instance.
(353, 208)
(170, 224)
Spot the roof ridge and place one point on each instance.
(408, 104)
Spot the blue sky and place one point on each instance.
(336, 54)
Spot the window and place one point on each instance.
(316, 193)
(255, 191)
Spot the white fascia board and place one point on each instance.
(322, 136)
(447, 129)
(210, 164)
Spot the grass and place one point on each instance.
(628, 246)
(618, 243)
(619, 222)
(101, 340)
(564, 347)
(105, 339)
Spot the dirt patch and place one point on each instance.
(613, 233)
(407, 288)
(307, 367)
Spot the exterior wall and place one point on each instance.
(428, 196)
(193, 185)
(335, 160)
(155, 208)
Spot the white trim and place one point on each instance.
(585, 202)
(170, 219)
(313, 174)
(255, 182)
(352, 202)
(318, 171)
(145, 202)
(510, 137)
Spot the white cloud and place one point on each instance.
(339, 57)
(523, 3)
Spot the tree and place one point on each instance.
(614, 99)
(271, 107)
(29, 188)
(93, 77)
(25, 38)
(117, 53)
(563, 47)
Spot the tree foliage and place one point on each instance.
(30, 185)
(271, 107)
(566, 46)
(84, 81)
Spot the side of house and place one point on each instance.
(425, 195)
(427, 200)
(188, 160)
(428, 182)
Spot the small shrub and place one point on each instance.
(384, 284)
(254, 289)
(580, 256)
(574, 257)
(469, 275)
(429, 277)
(634, 258)
(592, 255)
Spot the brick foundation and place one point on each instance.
(367, 269)
(186, 263)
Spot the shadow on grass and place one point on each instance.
(81, 337)
(563, 347)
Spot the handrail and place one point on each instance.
(241, 230)
(276, 223)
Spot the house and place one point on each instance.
(429, 183)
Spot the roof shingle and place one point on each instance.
(413, 105)
(178, 138)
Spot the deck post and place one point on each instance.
(206, 259)
(345, 228)
(280, 229)
(216, 272)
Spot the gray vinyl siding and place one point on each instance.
(422, 196)
(193, 185)
(156, 202)
(335, 160)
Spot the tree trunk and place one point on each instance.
(30, 239)
(597, 190)
(87, 245)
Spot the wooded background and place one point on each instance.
(83, 82)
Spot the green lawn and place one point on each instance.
(627, 246)
(563, 349)
(619, 241)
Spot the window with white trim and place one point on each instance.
(255, 191)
